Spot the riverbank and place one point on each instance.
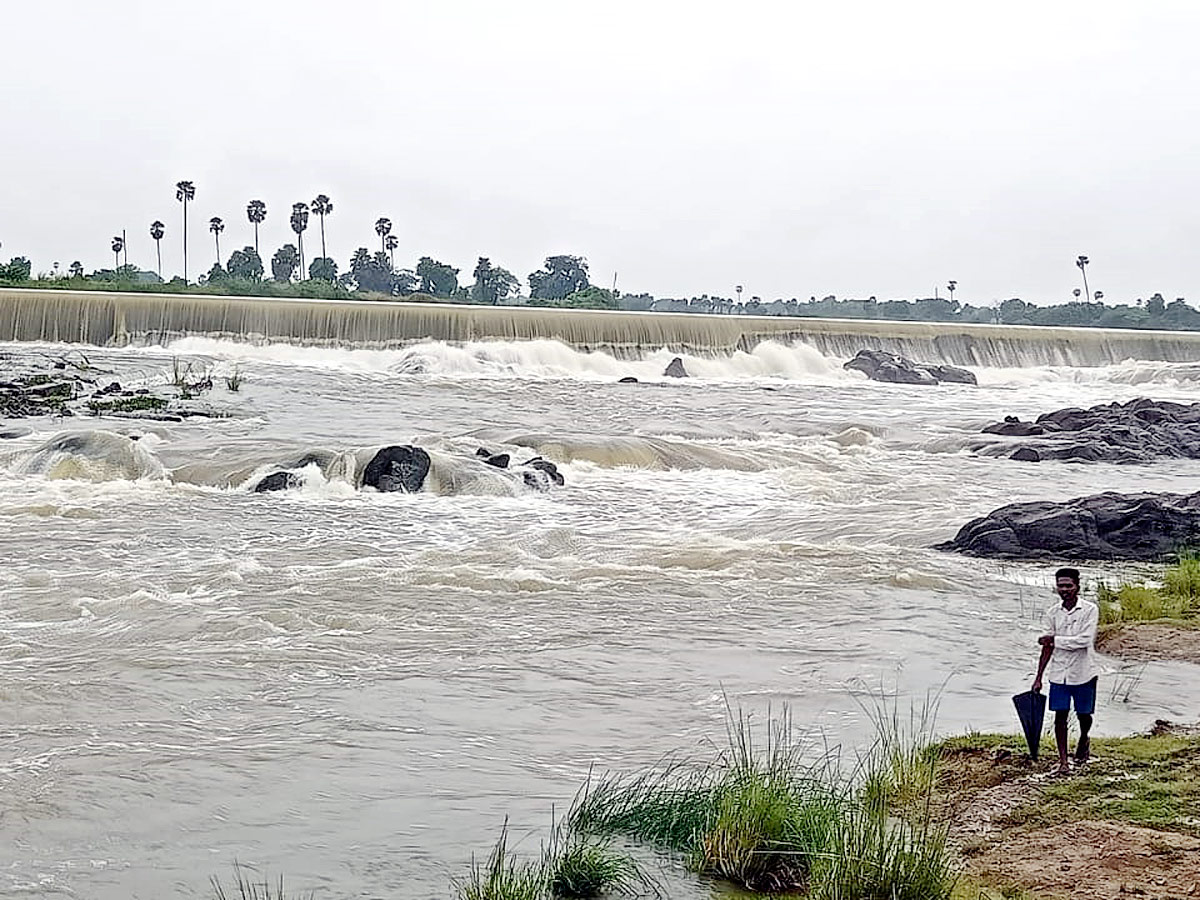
(1124, 825)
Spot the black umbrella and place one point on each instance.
(1031, 710)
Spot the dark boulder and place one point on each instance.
(277, 481)
(1026, 454)
(953, 374)
(675, 369)
(629, 379)
(547, 469)
(500, 460)
(1107, 526)
(397, 468)
(1135, 432)
(879, 365)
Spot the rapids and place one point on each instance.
(355, 689)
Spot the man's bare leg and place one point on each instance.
(1083, 750)
(1060, 738)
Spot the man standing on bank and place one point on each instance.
(1068, 646)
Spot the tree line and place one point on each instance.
(563, 281)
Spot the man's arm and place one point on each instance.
(1047, 642)
(1084, 640)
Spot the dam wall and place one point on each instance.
(119, 319)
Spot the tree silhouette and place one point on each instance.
(256, 212)
(157, 230)
(216, 226)
(952, 287)
(1082, 263)
(322, 206)
(390, 243)
(284, 262)
(246, 263)
(185, 192)
(383, 227)
(76, 269)
(117, 246)
(299, 223)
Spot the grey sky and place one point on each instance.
(797, 148)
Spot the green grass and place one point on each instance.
(769, 819)
(1178, 596)
(139, 403)
(572, 866)
(1152, 781)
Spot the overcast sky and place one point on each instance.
(800, 148)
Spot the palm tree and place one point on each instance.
(117, 246)
(952, 287)
(1082, 263)
(185, 191)
(299, 223)
(157, 230)
(216, 226)
(383, 227)
(256, 212)
(390, 243)
(322, 206)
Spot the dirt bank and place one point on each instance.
(1151, 641)
(1125, 825)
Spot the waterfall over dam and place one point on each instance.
(119, 319)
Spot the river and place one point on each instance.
(355, 689)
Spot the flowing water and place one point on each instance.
(355, 688)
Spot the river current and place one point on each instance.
(355, 689)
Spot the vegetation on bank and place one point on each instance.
(967, 818)
(563, 282)
(1175, 597)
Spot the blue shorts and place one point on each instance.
(1084, 696)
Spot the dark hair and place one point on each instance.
(1073, 574)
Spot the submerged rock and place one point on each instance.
(878, 365)
(675, 369)
(1135, 432)
(397, 468)
(1145, 527)
(629, 379)
(278, 481)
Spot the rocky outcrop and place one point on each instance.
(675, 369)
(1135, 432)
(879, 365)
(397, 468)
(1107, 526)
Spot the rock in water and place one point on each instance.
(675, 369)
(277, 481)
(397, 468)
(1145, 527)
(1135, 432)
(629, 379)
(879, 365)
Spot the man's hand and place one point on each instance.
(1046, 640)
(1037, 685)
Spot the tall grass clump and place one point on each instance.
(900, 770)
(572, 866)
(504, 876)
(1182, 582)
(773, 819)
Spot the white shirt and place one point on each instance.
(1074, 630)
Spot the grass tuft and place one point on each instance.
(773, 820)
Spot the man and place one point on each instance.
(1069, 648)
